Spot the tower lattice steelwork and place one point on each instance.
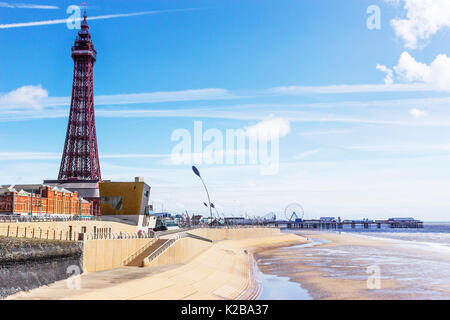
(80, 157)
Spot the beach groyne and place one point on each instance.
(26, 264)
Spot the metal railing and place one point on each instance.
(119, 235)
(33, 232)
(138, 252)
(187, 234)
(161, 249)
(168, 243)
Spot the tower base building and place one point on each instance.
(125, 202)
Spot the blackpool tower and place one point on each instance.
(80, 157)
(80, 167)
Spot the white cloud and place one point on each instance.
(406, 148)
(409, 70)
(437, 74)
(268, 129)
(19, 104)
(26, 97)
(26, 6)
(29, 156)
(325, 132)
(4, 156)
(341, 89)
(22, 103)
(389, 79)
(150, 97)
(134, 156)
(416, 113)
(305, 154)
(424, 18)
(164, 96)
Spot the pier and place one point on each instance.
(327, 223)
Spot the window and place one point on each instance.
(115, 202)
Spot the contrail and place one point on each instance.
(27, 6)
(109, 16)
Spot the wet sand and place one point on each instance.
(346, 266)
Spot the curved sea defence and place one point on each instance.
(225, 269)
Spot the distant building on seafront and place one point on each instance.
(235, 220)
(42, 200)
(196, 219)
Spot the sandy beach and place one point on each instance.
(344, 266)
(224, 271)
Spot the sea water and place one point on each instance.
(417, 259)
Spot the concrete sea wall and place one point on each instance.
(180, 252)
(107, 254)
(27, 264)
(185, 249)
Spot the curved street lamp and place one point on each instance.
(217, 211)
(197, 173)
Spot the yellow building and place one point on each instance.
(124, 201)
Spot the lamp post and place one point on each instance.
(217, 211)
(197, 173)
(218, 215)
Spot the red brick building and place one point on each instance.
(42, 199)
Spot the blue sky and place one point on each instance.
(361, 115)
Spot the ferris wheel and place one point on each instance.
(294, 211)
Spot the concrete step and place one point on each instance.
(138, 261)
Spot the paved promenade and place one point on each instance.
(224, 271)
